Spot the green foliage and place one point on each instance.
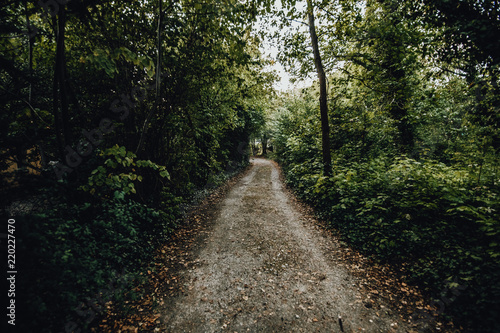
(105, 60)
(434, 215)
(429, 218)
(71, 252)
(120, 178)
(414, 77)
(193, 118)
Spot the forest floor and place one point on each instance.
(251, 258)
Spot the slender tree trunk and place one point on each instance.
(145, 126)
(59, 88)
(323, 100)
(30, 51)
(264, 144)
(63, 88)
(55, 96)
(158, 55)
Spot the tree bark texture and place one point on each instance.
(323, 100)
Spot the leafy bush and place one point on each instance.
(427, 217)
(81, 249)
(71, 252)
(117, 175)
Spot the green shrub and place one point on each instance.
(72, 252)
(425, 216)
(117, 175)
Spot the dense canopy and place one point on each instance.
(116, 115)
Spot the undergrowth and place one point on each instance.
(82, 247)
(430, 219)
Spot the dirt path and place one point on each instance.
(264, 268)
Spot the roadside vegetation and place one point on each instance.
(415, 142)
(115, 117)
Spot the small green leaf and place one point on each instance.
(165, 174)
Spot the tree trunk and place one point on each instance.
(59, 88)
(264, 144)
(323, 101)
(55, 96)
(31, 43)
(63, 84)
(145, 126)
